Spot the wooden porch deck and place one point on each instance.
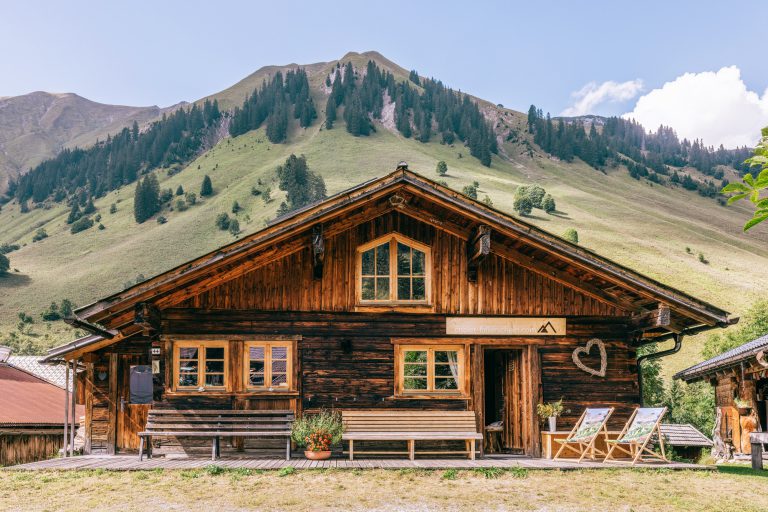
(131, 463)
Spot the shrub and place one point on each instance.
(39, 235)
(318, 432)
(97, 218)
(571, 235)
(703, 259)
(113, 208)
(522, 205)
(191, 198)
(442, 168)
(181, 205)
(548, 204)
(487, 200)
(101, 227)
(222, 221)
(179, 190)
(161, 220)
(267, 195)
(81, 225)
(236, 207)
(450, 474)
(234, 227)
(286, 471)
(255, 191)
(5, 264)
(52, 313)
(6, 248)
(470, 191)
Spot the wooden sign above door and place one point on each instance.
(505, 326)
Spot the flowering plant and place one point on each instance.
(318, 441)
(318, 432)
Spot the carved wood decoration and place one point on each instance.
(147, 315)
(760, 356)
(318, 251)
(479, 247)
(579, 351)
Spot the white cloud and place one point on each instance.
(594, 94)
(714, 106)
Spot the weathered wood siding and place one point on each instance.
(18, 447)
(502, 287)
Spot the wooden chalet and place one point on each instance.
(738, 374)
(399, 293)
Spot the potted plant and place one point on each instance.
(550, 411)
(744, 406)
(318, 433)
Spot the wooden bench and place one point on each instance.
(410, 426)
(216, 424)
(757, 440)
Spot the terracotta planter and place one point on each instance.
(744, 411)
(317, 455)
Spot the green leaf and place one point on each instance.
(754, 221)
(735, 187)
(763, 203)
(758, 160)
(754, 196)
(763, 175)
(735, 198)
(749, 180)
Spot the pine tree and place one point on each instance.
(179, 190)
(5, 264)
(207, 188)
(302, 186)
(74, 213)
(330, 112)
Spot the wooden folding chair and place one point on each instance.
(581, 439)
(638, 434)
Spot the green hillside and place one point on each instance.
(639, 225)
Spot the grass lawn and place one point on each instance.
(214, 488)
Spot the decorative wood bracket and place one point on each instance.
(478, 248)
(147, 316)
(658, 318)
(318, 251)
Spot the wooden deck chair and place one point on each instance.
(637, 435)
(581, 439)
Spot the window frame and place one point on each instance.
(393, 239)
(462, 378)
(290, 345)
(200, 345)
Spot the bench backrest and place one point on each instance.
(409, 421)
(203, 420)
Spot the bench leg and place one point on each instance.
(472, 450)
(288, 449)
(351, 449)
(757, 455)
(149, 447)
(411, 449)
(214, 442)
(141, 448)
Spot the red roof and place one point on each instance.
(29, 400)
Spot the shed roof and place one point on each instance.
(724, 360)
(28, 400)
(684, 435)
(55, 374)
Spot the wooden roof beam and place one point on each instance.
(478, 249)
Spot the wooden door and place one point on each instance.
(131, 418)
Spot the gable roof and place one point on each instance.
(55, 374)
(725, 360)
(617, 283)
(27, 400)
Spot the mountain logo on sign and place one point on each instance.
(547, 328)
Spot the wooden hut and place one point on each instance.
(740, 374)
(31, 415)
(399, 293)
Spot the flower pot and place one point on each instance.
(552, 423)
(317, 455)
(744, 411)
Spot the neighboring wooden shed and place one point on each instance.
(31, 416)
(738, 374)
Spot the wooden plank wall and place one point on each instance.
(17, 447)
(502, 288)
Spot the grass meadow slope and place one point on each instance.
(645, 227)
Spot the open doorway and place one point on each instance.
(502, 413)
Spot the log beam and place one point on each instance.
(478, 249)
(660, 317)
(147, 316)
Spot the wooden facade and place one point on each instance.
(298, 281)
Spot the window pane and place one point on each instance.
(403, 288)
(382, 288)
(443, 370)
(187, 352)
(415, 356)
(187, 379)
(415, 370)
(214, 366)
(382, 260)
(403, 260)
(418, 263)
(256, 353)
(188, 366)
(279, 352)
(367, 263)
(216, 379)
(256, 373)
(279, 379)
(448, 383)
(257, 367)
(214, 352)
(419, 289)
(368, 291)
(446, 356)
(279, 366)
(414, 383)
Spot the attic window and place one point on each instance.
(394, 269)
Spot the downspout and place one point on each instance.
(678, 337)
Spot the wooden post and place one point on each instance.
(113, 407)
(411, 449)
(66, 406)
(74, 408)
(351, 449)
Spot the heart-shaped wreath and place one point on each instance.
(579, 351)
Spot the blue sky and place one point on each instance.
(514, 53)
